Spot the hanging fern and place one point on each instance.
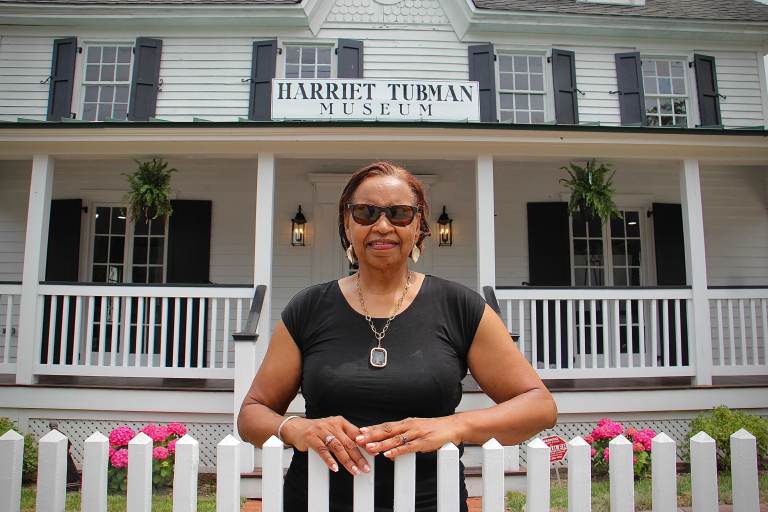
(149, 190)
(591, 189)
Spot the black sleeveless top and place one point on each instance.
(427, 347)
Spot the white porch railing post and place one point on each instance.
(12, 455)
(700, 336)
(405, 483)
(139, 474)
(579, 475)
(362, 490)
(95, 462)
(703, 473)
(664, 475)
(51, 472)
(228, 476)
(537, 479)
(448, 478)
(622, 475)
(486, 252)
(317, 483)
(185, 468)
(35, 249)
(746, 496)
(493, 476)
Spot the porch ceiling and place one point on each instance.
(361, 140)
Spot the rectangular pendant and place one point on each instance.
(378, 357)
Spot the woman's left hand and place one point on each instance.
(396, 438)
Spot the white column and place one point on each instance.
(35, 250)
(248, 355)
(699, 333)
(486, 242)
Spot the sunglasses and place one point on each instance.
(397, 215)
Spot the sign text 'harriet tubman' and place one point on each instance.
(383, 100)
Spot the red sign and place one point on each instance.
(557, 448)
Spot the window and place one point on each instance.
(521, 88)
(107, 81)
(307, 61)
(666, 95)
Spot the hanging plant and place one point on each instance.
(149, 190)
(591, 189)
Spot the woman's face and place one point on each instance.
(382, 245)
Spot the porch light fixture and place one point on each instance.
(445, 232)
(297, 228)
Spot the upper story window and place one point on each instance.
(106, 81)
(666, 94)
(304, 61)
(521, 88)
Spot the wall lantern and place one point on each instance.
(297, 228)
(445, 230)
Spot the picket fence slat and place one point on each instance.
(363, 487)
(12, 453)
(537, 480)
(51, 472)
(448, 478)
(405, 483)
(746, 496)
(703, 473)
(664, 477)
(95, 462)
(493, 476)
(317, 483)
(228, 476)
(621, 474)
(579, 476)
(140, 473)
(185, 470)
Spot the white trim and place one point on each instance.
(486, 237)
(545, 53)
(763, 77)
(283, 43)
(81, 61)
(688, 79)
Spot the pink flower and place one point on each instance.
(634, 459)
(156, 432)
(159, 453)
(121, 435)
(119, 459)
(111, 452)
(593, 453)
(589, 439)
(638, 447)
(604, 421)
(631, 431)
(177, 428)
(605, 454)
(172, 446)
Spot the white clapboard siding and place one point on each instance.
(739, 81)
(25, 61)
(596, 76)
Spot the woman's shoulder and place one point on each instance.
(312, 294)
(452, 288)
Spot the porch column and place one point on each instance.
(696, 268)
(35, 248)
(486, 241)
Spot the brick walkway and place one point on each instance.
(475, 505)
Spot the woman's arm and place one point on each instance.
(524, 405)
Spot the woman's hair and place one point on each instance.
(385, 169)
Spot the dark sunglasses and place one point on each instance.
(397, 215)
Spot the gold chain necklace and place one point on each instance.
(378, 358)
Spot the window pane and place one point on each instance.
(666, 106)
(522, 117)
(679, 106)
(595, 228)
(307, 55)
(579, 226)
(140, 250)
(140, 226)
(323, 55)
(100, 247)
(291, 71)
(537, 82)
(102, 220)
(506, 116)
(681, 121)
(107, 94)
(92, 93)
(116, 249)
(617, 227)
(534, 64)
(662, 68)
(619, 277)
(104, 112)
(505, 81)
(537, 101)
(156, 251)
(109, 54)
(651, 106)
(505, 63)
(597, 277)
(633, 223)
(537, 117)
(677, 68)
(122, 73)
(619, 256)
(120, 111)
(155, 275)
(94, 54)
(634, 277)
(665, 86)
(521, 81)
(652, 121)
(667, 121)
(678, 86)
(99, 274)
(118, 221)
(92, 73)
(115, 274)
(521, 63)
(323, 72)
(596, 252)
(633, 252)
(139, 275)
(649, 84)
(307, 72)
(521, 101)
(124, 54)
(507, 101)
(292, 55)
(580, 252)
(580, 276)
(89, 111)
(157, 226)
(107, 72)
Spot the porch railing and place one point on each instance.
(139, 331)
(10, 300)
(570, 333)
(739, 330)
(51, 480)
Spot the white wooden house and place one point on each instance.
(653, 317)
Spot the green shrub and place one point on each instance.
(29, 466)
(720, 423)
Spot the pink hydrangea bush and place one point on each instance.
(608, 429)
(164, 438)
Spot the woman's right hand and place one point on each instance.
(332, 438)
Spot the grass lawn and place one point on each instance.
(601, 498)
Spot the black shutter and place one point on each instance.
(63, 254)
(264, 62)
(564, 78)
(62, 78)
(350, 63)
(146, 78)
(629, 77)
(483, 70)
(707, 91)
(549, 264)
(670, 271)
(189, 242)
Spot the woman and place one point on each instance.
(380, 356)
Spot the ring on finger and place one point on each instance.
(328, 439)
(403, 438)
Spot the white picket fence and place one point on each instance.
(52, 468)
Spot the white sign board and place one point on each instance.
(375, 100)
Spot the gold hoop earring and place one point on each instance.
(415, 253)
(351, 255)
